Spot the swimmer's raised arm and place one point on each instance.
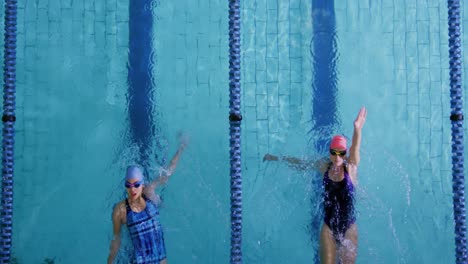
(354, 155)
(167, 172)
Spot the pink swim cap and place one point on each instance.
(338, 142)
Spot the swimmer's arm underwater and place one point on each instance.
(117, 223)
(299, 164)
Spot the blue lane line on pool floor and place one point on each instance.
(324, 114)
(140, 77)
(324, 86)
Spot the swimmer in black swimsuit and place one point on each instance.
(338, 237)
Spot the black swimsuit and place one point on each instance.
(338, 200)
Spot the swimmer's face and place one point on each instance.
(134, 188)
(337, 156)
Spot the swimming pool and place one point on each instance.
(74, 136)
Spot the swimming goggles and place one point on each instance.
(135, 184)
(340, 153)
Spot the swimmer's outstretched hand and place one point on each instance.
(360, 119)
(183, 139)
(270, 157)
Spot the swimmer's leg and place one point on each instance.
(348, 249)
(163, 261)
(327, 246)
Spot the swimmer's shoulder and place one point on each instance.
(323, 164)
(120, 205)
(351, 168)
(120, 210)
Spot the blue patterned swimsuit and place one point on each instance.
(146, 233)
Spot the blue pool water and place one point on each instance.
(307, 68)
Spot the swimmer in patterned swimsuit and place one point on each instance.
(338, 237)
(140, 212)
